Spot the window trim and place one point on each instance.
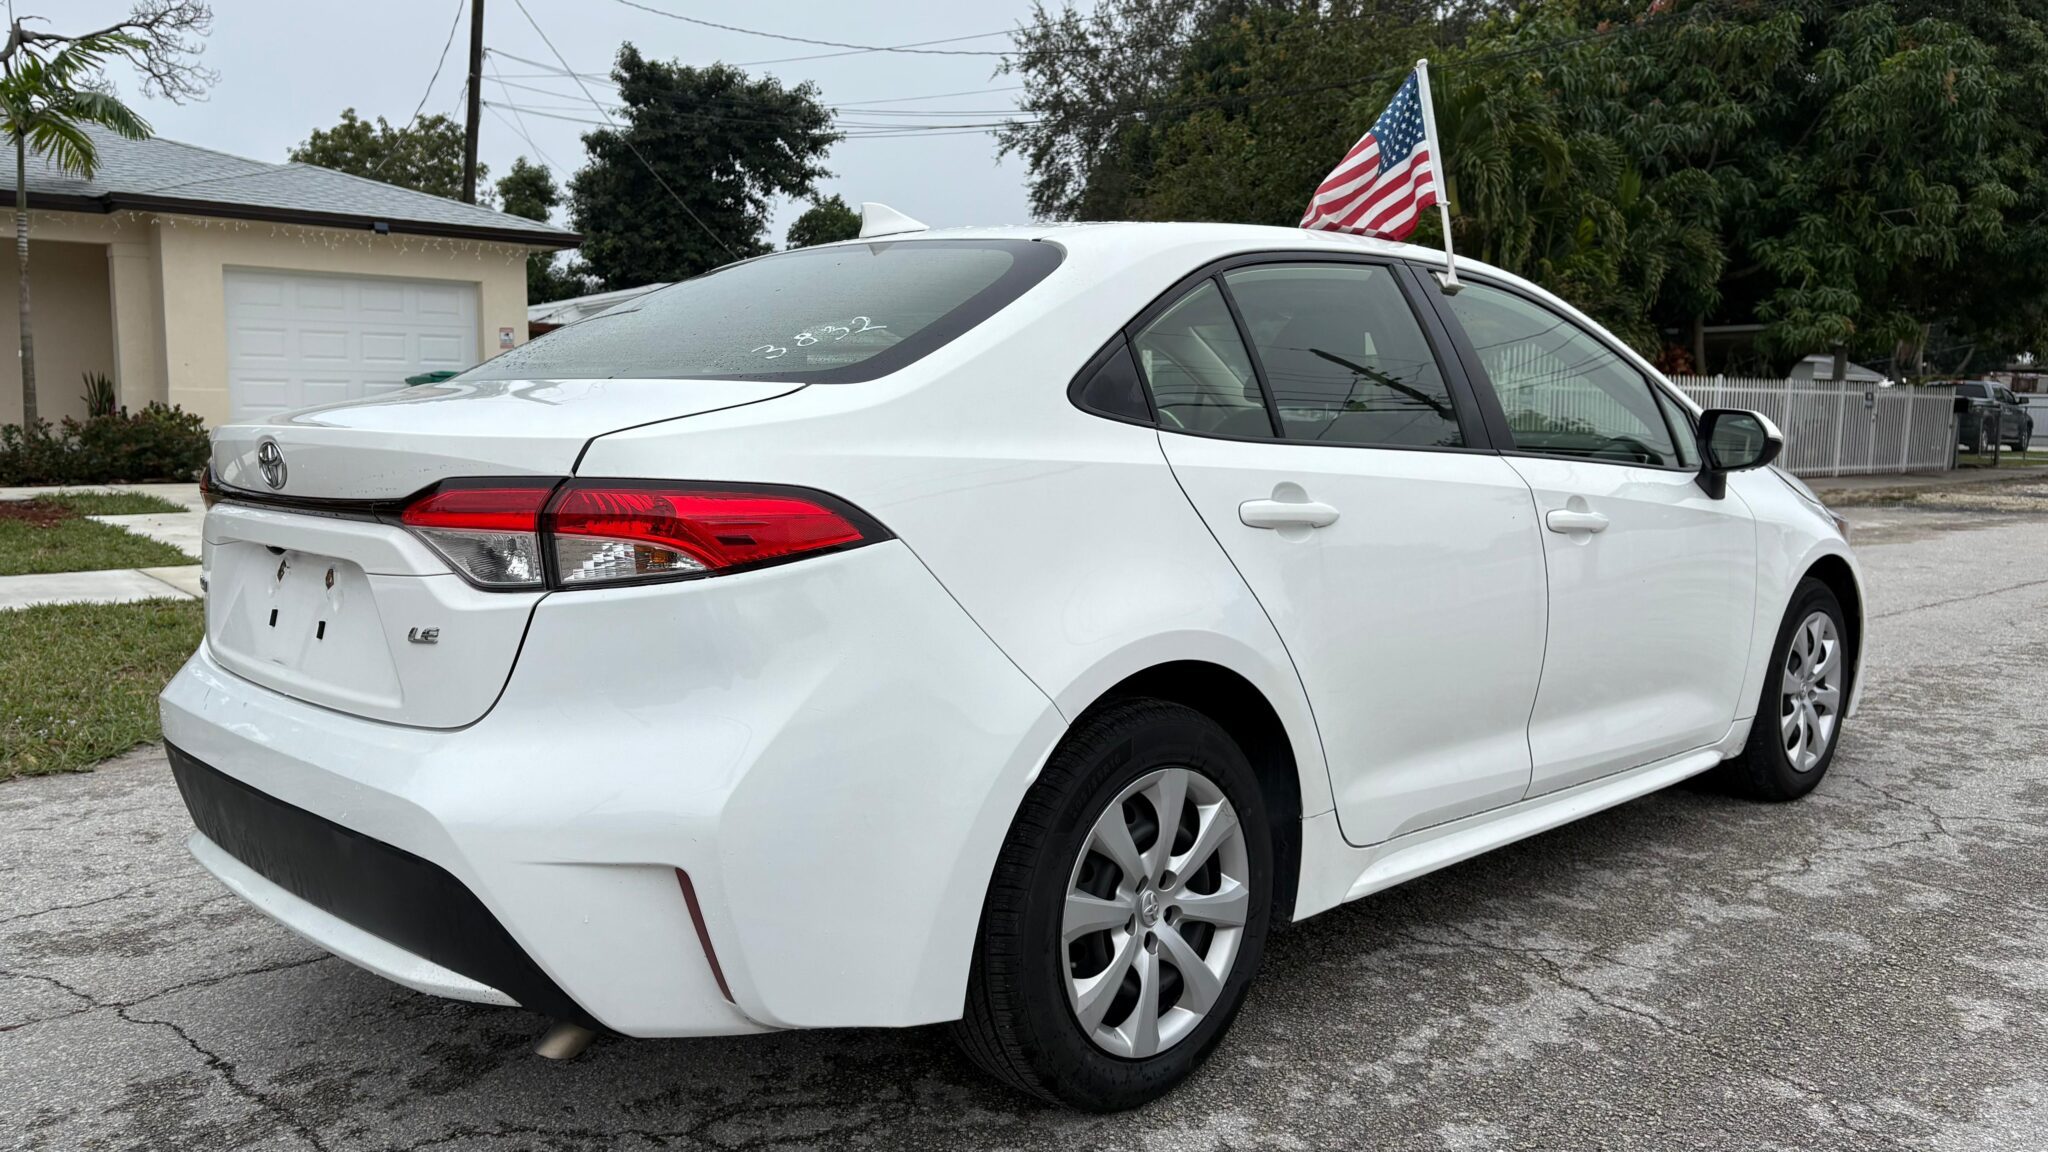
(1489, 397)
(1464, 400)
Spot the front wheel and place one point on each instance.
(1127, 913)
(1799, 720)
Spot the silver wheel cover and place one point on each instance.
(1810, 687)
(1149, 933)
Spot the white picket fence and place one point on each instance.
(1843, 428)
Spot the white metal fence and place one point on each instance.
(1843, 428)
(1832, 428)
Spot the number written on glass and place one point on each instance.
(823, 333)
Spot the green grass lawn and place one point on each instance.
(2006, 459)
(51, 534)
(78, 682)
(112, 503)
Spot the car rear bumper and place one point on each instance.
(823, 758)
(397, 914)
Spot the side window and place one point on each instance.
(1111, 387)
(1197, 369)
(1564, 393)
(1679, 417)
(1972, 391)
(1344, 356)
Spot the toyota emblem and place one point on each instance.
(270, 459)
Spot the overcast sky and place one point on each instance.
(290, 66)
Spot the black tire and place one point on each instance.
(1018, 1023)
(1763, 771)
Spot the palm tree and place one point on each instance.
(46, 104)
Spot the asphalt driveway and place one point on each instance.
(1865, 969)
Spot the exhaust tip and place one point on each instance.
(564, 1041)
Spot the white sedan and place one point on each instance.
(1005, 626)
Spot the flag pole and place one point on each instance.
(1439, 172)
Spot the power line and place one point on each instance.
(431, 81)
(554, 112)
(1024, 114)
(919, 48)
(624, 138)
(909, 48)
(551, 72)
(729, 104)
(521, 126)
(934, 96)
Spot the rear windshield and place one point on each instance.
(829, 315)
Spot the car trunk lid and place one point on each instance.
(315, 591)
(390, 446)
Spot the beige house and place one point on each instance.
(235, 288)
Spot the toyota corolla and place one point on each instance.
(1011, 627)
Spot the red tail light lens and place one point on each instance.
(605, 532)
(480, 509)
(491, 534)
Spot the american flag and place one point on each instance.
(1386, 180)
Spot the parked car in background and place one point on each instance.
(1007, 627)
(1992, 414)
(2036, 406)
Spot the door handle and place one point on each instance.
(1566, 520)
(1286, 514)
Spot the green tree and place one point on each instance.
(1852, 174)
(52, 90)
(425, 156)
(823, 222)
(719, 144)
(529, 191)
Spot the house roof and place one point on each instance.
(1821, 366)
(559, 312)
(159, 175)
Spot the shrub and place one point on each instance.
(161, 442)
(99, 394)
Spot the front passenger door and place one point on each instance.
(1652, 582)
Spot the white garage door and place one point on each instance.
(296, 339)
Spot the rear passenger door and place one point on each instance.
(1652, 582)
(1305, 412)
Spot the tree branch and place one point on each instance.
(161, 39)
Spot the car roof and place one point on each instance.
(1119, 236)
(1081, 236)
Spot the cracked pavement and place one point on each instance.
(1865, 969)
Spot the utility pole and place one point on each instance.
(476, 82)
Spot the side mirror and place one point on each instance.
(1732, 440)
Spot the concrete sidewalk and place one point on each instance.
(180, 530)
(2034, 468)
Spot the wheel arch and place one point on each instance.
(1242, 710)
(1835, 571)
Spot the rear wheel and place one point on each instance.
(1799, 720)
(1127, 914)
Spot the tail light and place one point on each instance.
(491, 534)
(585, 533)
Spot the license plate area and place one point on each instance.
(310, 620)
